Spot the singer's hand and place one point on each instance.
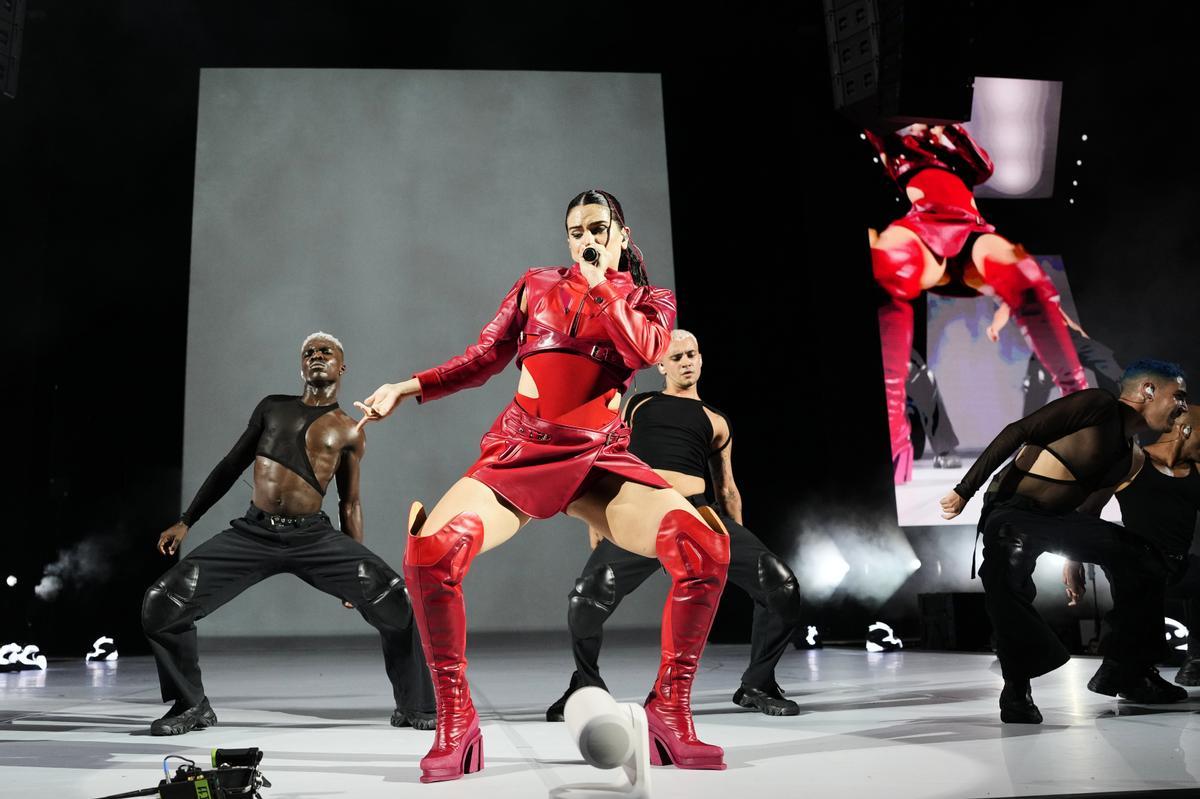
(384, 401)
(594, 260)
(594, 274)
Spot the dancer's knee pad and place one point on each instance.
(385, 600)
(1007, 560)
(898, 268)
(592, 601)
(781, 592)
(165, 601)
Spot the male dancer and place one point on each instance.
(1076, 450)
(679, 435)
(1160, 506)
(297, 445)
(925, 399)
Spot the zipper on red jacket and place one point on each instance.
(578, 311)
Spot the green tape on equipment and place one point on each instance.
(202, 791)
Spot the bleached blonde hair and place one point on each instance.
(679, 334)
(324, 335)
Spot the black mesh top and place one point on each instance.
(1161, 508)
(1084, 431)
(276, 430)
(672, 433)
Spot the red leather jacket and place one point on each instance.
(904, 156)
(624, 326)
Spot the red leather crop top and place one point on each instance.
(622, 326)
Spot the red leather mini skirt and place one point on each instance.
(542, 467)
(944, 217)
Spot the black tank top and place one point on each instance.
(672, 433)
(1162, 509)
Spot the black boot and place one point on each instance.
(769, 701)
(416, 719)
(180, 719)
(556, 711)
(1150, 688)
(1189, 672)
(1016, 704)
(1143, 685)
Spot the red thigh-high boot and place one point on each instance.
(434, 567)
(1033, 300)
(898, 271)
(696, 556)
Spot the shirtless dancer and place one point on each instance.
(297, 445)
(683, 438)
(1070, 455)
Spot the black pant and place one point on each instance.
(922, 391)
(232, 561)
(612, 573)
(1092, 355)
(1015, 533)
(1185, 585)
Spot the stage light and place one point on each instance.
(104, 648)
(1074, 182)
(1078, 163)
(1083, 137)
(874, 160)
(862, 136)
(1057, 561)
(881, 638)
(830, 569)
(1176, 631)
(1071, 200)
(914, 564)
(12, 580)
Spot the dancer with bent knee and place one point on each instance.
(579, 334)
(1070, 456)
(297, 445)
(681, 437)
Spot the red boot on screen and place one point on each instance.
(1033, 300)
(434, 567)
(895, 342)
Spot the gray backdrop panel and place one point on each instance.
(395, 209)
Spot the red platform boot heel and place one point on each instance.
(434, 567)
(1033, 300)
(696, 556)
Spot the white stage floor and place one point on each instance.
(894, 725)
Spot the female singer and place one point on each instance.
(579, 334)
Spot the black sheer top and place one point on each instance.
(1084, 431)
(276, 430)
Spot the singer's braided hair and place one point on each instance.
(632, 260)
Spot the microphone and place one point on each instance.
(591, 255)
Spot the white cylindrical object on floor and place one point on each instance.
(599, 728)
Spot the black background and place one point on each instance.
(770, 191)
